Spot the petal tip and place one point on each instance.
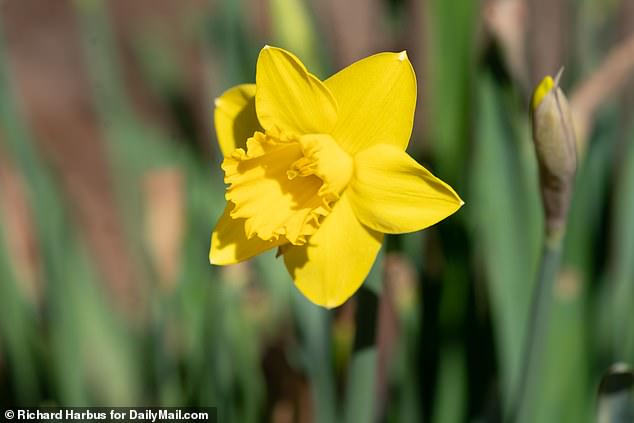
(558, 76)
(325, 302)
(334, 303)
(402, 56)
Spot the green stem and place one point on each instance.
(537, 332)
(360, 403)
(315, 327)
(361, 391)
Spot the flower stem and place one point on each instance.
(361, 404)
(360, 394)
(537, 332)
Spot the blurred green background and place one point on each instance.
(110, 185)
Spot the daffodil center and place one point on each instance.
(323, 158)
(285, 185)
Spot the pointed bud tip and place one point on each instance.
(402, 56)
(558, 76)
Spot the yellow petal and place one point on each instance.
(235, 117)
(229, 243)
(337, 258)
(391, 193)
(376, 98)
(289, 97)
(540, 92)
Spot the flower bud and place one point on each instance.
(555, 147)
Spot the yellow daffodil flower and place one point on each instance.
(319, 170)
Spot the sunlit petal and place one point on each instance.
(391, 193)
(376, 98)
(290, 98)
(337, 258)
